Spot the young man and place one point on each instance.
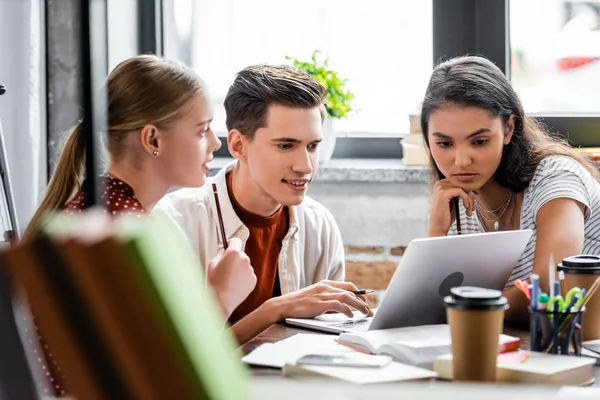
(274, 119)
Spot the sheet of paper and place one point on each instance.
(277, 354)
(392, 372)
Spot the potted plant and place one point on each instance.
(339, 99)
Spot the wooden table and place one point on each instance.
(282, 331)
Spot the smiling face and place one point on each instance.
(282, 157)
(466, 144)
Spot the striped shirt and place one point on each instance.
(555, 177)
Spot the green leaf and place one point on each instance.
(339, 99)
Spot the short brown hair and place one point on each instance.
(257, 87)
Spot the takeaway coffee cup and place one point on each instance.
(476, 317)
(581, 271)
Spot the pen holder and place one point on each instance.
(556, 332)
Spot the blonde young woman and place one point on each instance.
(159, 136)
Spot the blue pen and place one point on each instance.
(535, 294)
(545, 326)
(571, 304)
(556, 289)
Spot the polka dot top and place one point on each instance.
(118, 198)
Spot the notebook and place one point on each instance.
(287, 351)
(126, 312)
(32, 269)
(536, 368)
(418, 346)
(392, 372)
(173, 279)
(105, 278)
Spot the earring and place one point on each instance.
(155, 153)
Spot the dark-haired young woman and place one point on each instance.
(508, 172)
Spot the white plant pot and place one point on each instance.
(328, 143)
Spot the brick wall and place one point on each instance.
(372, 267)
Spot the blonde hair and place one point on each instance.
(141, 90)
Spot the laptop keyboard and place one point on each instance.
(355, 324)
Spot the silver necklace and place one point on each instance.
(510, 211)
(495, 221)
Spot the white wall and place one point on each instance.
(376, 214)
(22, 108)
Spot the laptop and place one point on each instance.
(429, 268)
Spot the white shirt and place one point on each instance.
(311, 251)
(555, 177)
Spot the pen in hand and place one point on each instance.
(454, 204)
(362, 292)
(220, 217)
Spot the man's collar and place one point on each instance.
(231, 220)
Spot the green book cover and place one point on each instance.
(174, 281)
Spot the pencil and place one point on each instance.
(454, 202)
(223, 236)
(563, 282)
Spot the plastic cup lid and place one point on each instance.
(475, 298)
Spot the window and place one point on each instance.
(383, 48)
(501, 30)
(122, 31)
(556, 65)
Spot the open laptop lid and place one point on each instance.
(427, 271)
(430, 267)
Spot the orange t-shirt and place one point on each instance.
(263, 247)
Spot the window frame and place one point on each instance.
(93, 47)
(483, 28)
(150, 26)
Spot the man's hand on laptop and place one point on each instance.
(320, 298)
(312, 301)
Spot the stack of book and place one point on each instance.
(124, 309)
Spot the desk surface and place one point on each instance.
(281, 331)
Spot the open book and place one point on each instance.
(418, 346)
